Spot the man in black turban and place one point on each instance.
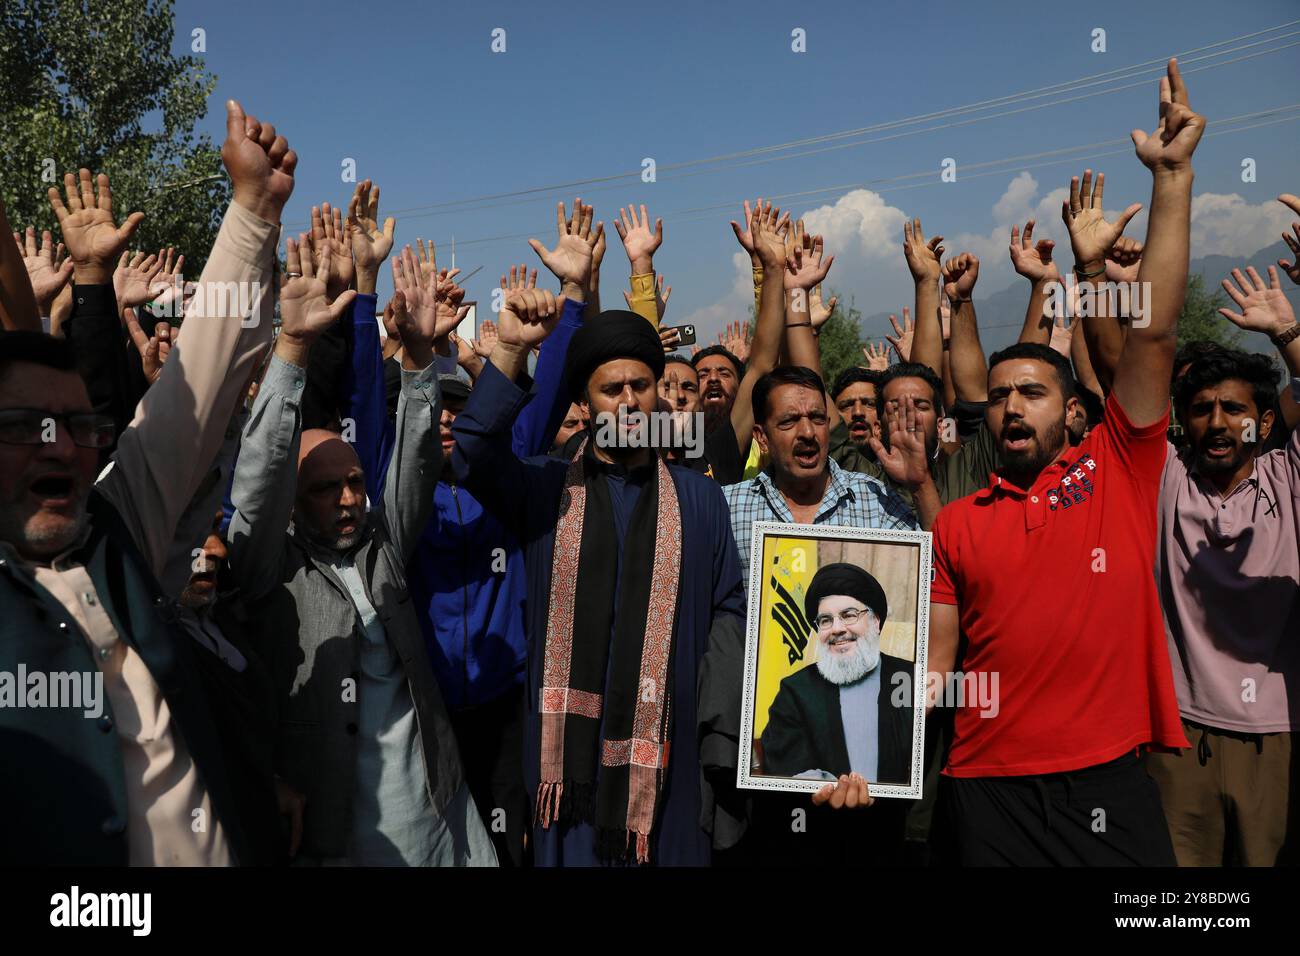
(633, 576)
(844, 715)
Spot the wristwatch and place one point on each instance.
(1281, 340)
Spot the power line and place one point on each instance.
(889, 184)
(1049, 90)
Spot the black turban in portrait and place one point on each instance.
(849, 580)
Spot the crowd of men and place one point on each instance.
(361, 591)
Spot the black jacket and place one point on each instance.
(63, 799)
(805, 732)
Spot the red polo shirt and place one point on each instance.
(1057, 598)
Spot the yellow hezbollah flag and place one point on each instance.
(785, 636)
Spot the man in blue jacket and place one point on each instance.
(466, 576)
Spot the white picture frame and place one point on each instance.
(913, 594)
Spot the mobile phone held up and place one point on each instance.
(687, 333)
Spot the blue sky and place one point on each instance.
(413, 93)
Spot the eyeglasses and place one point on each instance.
(35, 426)
(849, 616)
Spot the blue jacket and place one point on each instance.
(466, 576)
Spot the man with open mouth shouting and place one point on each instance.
(1055, 777)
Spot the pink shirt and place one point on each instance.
(1229, 575)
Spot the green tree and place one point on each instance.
(1200, 320)
(840, 341)
(94, 84)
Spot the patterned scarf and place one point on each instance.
(579, 653)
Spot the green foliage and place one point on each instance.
(1200, 320)
(94, 84)
(840, 341)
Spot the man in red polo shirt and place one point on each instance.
(1048, 571)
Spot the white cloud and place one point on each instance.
(711, 319)
(865, 233)
(860, 222)
(1227, 225)
(1016, 203)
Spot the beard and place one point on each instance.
(713, 415)
(46, 539)
(196, 598)
(332, 540)
(1024, 466)
(1208, 465)
(848, 668)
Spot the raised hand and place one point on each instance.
(806, 268)
(305, 307)
(1063, 329)
(94, 242)
(1171, 146)
(259, 162)
(669, 338)
(327, 224)
(905, 460)
(154, 348)
(736, 339)
(639, 242)
(1033, 262)
(923, 255)
(901, 340)
(370, 244)
(1091, 236)
(767, 233)
(597, 255)
(1264, 308)
(819, 311)
(431, 301)
(447, 297)
(877, 356)
(138, 279)
(487, 338)
(527, 318)
(1293, 271)
(390, 322)
(465, 353)
(172, 273)
(570, 261)
(745, 236)
(48, 271)
(428, 257)
(960, 274)
(1124, 260)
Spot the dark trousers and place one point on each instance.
(491, 742)
(1106, 815)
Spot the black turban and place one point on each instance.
(615, 334)
(849, 580)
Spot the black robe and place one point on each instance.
(805, 731)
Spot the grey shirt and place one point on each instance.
(860, 713)
(393, 823)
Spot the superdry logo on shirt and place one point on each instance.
(1076, 485)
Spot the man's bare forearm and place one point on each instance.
(927, 340)
(970, 372)
(1038, 322)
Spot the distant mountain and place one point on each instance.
(1001, 314)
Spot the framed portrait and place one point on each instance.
(835, 658)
